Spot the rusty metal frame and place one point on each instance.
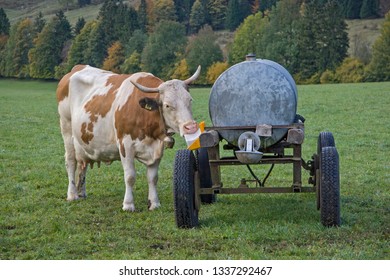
(216, 161)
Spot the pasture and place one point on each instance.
(36, 221)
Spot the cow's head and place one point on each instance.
(174, 103)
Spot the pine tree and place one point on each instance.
(322, 40)
(39, 23)
(79, 25)
(143, 15)
(379, 67)
(352, 10)
(217, 11)
(233, 18)
(80, 52)
(369, 9)
(197, 17)
(4, 23)
(183, 11)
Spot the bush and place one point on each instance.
(327, 77)
(350, 71)
(216, 69)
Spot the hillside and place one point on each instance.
(362, 30)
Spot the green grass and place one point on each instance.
(36, 221)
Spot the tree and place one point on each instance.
(164, 47)
(136, 42)
(233, 18)
(197, 17)
(39, 23)
(352, 9)
(4, 23)
(143, 15)
(183, 11)
(203, 50)
(115, 58)
(379, 67)
(280, 38)
(23, 43)
(164, 10)
(97, 45)
(83, 3)
(322, 40)
(249, 38)
(369, 9)
(47, 53)
(132, 63)
(217, 11)
(79, 25)
(80, 51)
(117, 21)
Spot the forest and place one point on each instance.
(169, 38)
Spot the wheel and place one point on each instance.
(325, 139)
(329, 187)
(186, 212)
(205, 175)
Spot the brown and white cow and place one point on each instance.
(105, 117)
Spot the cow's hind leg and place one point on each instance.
(152, 174)
(70, 159)
(130, 176)
(81, 183)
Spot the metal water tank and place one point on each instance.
(250, 93)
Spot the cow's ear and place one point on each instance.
(149, 104)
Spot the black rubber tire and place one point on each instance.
(325, 139)
(186, 213)
(205, 175)
(330, 187)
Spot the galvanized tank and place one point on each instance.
(251, 93)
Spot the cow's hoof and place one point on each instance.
(72, 197)
(82, 195)
(128, 207)
(152, 206)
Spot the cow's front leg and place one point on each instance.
(152, 174)
(130, 175)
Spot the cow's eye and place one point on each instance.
(169, 106)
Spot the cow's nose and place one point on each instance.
(190, 127)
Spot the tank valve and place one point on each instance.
(249, 143)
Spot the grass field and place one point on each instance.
(36, 221)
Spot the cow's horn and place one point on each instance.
(145, 89)
(194, 77)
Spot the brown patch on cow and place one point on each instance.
(87, 132)
(139, 123)
(100, 105)
(63, 85)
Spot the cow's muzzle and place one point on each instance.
(190, 127)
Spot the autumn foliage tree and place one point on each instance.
(115, 58)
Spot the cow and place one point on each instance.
(106, 117)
